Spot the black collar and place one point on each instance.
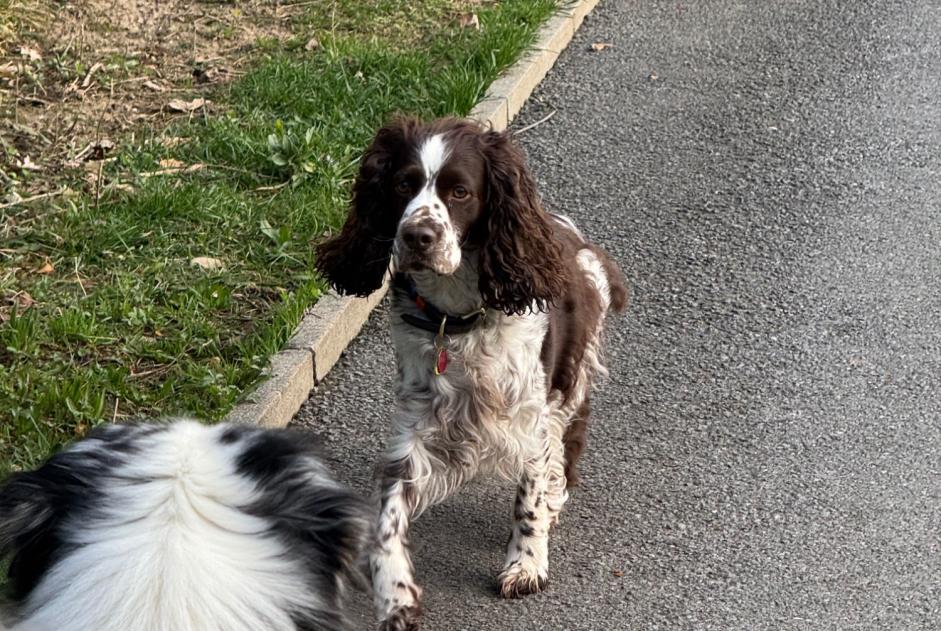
(434, 317)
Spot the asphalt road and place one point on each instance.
(767, 453)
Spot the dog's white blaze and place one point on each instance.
(428, 206)
(432, 155)
(426, 199)
(158, 544)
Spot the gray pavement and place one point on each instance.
(767, 453)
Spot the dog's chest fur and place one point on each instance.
(495, 366)
(489, 399)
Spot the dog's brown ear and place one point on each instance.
(355, 260)
(521, 264)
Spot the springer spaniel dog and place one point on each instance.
(180, 527)
(497, 313)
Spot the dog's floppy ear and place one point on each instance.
(521, 264)
(28, 520)
(355, 260)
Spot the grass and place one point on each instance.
(102, 314)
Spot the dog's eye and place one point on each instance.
(459, 192)
(403, 187)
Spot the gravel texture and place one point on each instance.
(767, 452)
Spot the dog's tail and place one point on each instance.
(618, 293)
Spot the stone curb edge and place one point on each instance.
(334, 321)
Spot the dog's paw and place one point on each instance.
(517, 581)
(402, 619)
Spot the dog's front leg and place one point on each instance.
(397, 595)
(412, 480)
(526, 570)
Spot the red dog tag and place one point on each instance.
(441, 361)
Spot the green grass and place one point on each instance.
(124, 325)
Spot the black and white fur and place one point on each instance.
(180, 527)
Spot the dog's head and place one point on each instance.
(427, 193)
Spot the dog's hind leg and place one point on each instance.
(556, 493)
(574, 439)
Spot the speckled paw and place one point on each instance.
(402, 619)
(517, 581)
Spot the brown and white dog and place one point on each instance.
(497, 313)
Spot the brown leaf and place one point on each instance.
(27, 164)
(47, 268)
(618, 573)
(9, 70)
(469, 20)
(199, 166)
(207, 262)
(172, 141)
(208, 75)
(600, 46)
(312, 44)
(179, 105)
(87, 81)
(156, 87)
(121, 188)
(21, 299)
(30, 53)
(100, 149)
(92, 151)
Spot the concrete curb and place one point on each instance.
(334, 321)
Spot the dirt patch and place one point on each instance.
(77, 78)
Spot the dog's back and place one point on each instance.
(179, 527)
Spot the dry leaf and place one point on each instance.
(47, 268)
(30, 53)
(179, 105)
(312, 44)
(173, 170)
(87, 81)
(207, 262)
(21, 299)
(92, 151)
(170, 163)
(172, 141)
(121, 188)
(100, 149)
(91, 174)
(9, 70)
(28, 165)
(618, 573)
(470, 20)
(156, 87)
(600, 46)
(208, 75)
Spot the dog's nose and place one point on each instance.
(419, 237)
